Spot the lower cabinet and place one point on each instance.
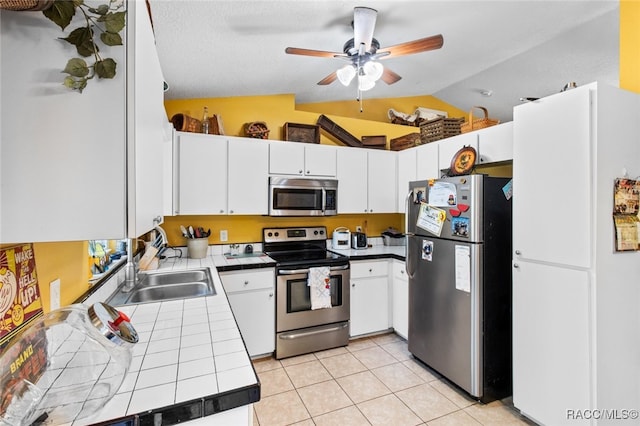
(369, 297)
(252, 298)
(400, 293)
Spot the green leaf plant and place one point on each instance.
(107, 20)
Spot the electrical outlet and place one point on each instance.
(224, 235)
(54, 294)
(358, 228)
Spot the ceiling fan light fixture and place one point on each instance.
(365, 82)
(373, 70)
(346, 74)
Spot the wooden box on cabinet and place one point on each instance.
(294, 132)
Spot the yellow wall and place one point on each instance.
(377, 109)
(630, 45)
(279, 109)
(249, 228)
(66, 261)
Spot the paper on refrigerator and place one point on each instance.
(431, 218)
(463, 268)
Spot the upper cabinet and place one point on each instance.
(299, 159)
(220, 175)
(495, 143)
(366, 181)
(78, 166)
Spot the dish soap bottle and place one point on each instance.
(65, 366)
(205, 121)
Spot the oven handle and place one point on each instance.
(306, 270)
(291, 336)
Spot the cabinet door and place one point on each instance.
(352, 180)
(447, 148)
(427, 165)
(255, 314)
(406, 173)
(202, 174)
(552, 170)
(551, 342)
(62, 154)
(146, 128)
(400, 311)
(286, 158)
(320, 160)
(248, 176)
(382, 186)
(369, 305)
(495, 143)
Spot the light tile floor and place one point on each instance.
(372, 381)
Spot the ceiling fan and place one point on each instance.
(363, 52)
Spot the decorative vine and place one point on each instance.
(107, 20)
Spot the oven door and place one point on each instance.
(293, 300)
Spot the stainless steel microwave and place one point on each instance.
(302, 197)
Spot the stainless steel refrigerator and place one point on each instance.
(459, 268)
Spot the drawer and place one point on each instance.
(399, 271)
(369, 269)
(235, 281)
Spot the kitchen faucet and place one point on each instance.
(132, 268)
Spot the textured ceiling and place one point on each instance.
(512, 48)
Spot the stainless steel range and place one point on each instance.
(299, 328)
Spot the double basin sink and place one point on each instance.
(166, 285)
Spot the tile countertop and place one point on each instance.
(190, 351)
(190, 360)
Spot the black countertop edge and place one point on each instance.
(377, 256)
(190, 410)
(226, 268)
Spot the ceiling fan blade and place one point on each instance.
(411, 47)
(310, 52)
(328, 79)
(364, 22)
(389, 76)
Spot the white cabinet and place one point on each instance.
(427, 165)
(352, 180)
(400, 295)
(406, 167)
(78, 166)
(220, 175)
(252, 299)
(381, 181)
(447, 148)
(366, 181)
(248, 176)
(201, 174)
(576, 336)
(299, 159)
(369, 297)
(495, 143)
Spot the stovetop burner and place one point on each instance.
(304, 246)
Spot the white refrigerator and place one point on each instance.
(576, 322)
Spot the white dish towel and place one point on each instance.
(319, 287)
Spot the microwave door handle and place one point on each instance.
(324, 200)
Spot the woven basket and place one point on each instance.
(439, 128)
(256, 129)
(26, 5)
(184, 123)
(478, 123)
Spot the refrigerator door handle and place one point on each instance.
(407, 199)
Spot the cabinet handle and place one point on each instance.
(518, 252)
(157, 220)
(221, 211)
(308, 172)
(300, 171)
(246, 282)
(270, 294)
(365, 210)
(402, 271)
(370, 270)
(230, 211)
(515, 265)
(353, 284)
